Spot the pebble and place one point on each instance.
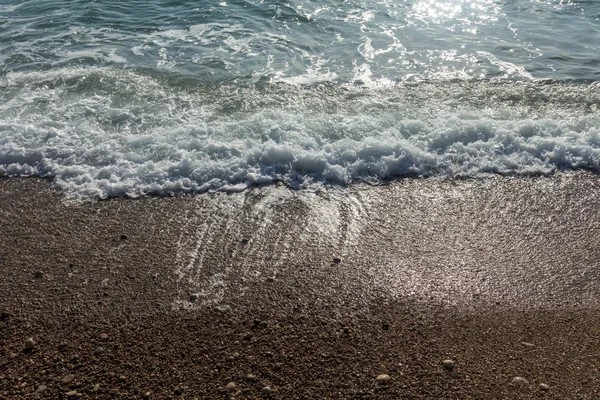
(103, 336)
(67, 379)
(99, 350)
(224, 309)
(518, 380)
(40, 389)
(193, 298)
(146, 395)
(383, 378)
(12, 356)
(29, 344)
(266, 390)
(230, 386)
(544, 387)
(263, 324)
(72, 393)
(96, 387)
(122, 378)
(337, 260)
(247, 336)
(448, 364)
(251, 377)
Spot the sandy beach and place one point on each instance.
(275, 293)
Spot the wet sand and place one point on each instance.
(325, 292)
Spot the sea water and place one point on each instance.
(127, 98)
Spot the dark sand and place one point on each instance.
(327, 291)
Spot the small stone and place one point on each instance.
(122, 378)
(193, 298)
(520, 381)
(527, 344)
(38, 274)
(247, 336)
(263, 324)
(346, 330)
(337, 260)
(385, 326)
(224, 309)
(230, 386)
(29, 344)
(146, 395)
(236, 355)
(96, 387)
(270, 279)
(383, 378)
(245, 240)
(103, 336)
(12, 356)
(267, 390)
(544, 387)
(448, 364)
(99, 350)
(251, 377)
(124, 237)
(72, 393)
(67, 379)
(40, 389)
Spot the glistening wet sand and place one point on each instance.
(326, 292)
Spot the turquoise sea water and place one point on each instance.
(112, 98)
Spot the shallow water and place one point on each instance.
(128, 98)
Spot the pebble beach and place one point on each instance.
(419, 289)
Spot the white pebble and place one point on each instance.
(224, 309)
(518, 380)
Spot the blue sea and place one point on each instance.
(129, 98)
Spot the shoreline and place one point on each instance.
(326, 291)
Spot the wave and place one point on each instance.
(103, 132)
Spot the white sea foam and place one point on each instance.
(107, 132)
